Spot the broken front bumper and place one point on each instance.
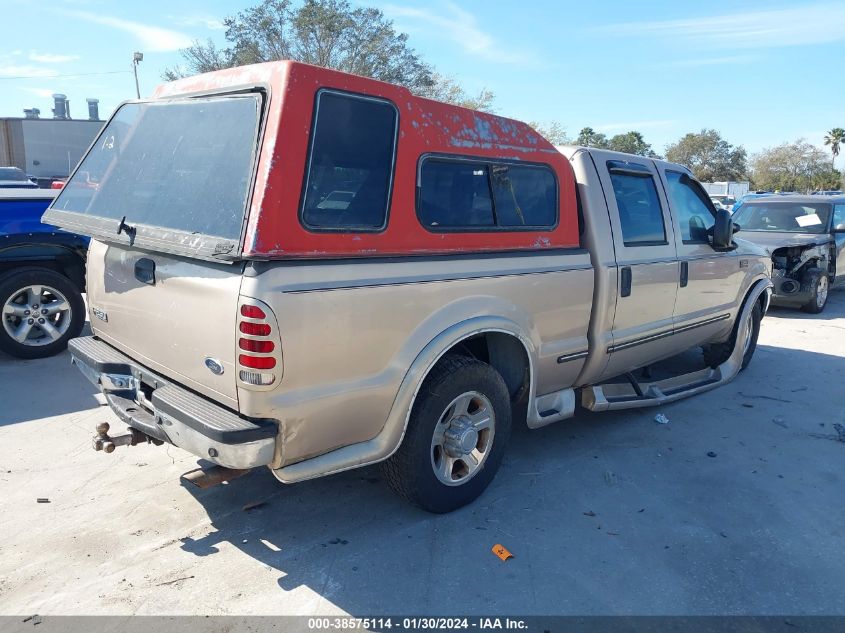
(788, 291)
(165, 411)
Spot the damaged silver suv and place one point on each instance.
(805, 236)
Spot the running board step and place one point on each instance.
(551, 407)
(634, 394)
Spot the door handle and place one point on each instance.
(625, 290)
(145, 271)
(684, 274)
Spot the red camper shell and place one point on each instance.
(350, 166)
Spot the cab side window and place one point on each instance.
(694, 213)
(640, 213)
(839, 216)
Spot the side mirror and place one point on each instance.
(839, 228)
(723, 231)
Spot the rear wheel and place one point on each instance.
(819, 284)
(717, 353)
(41, 311)
(456, 436)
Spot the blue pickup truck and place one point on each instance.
(42, 277)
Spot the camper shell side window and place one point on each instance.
(468, 194)
(350, 165)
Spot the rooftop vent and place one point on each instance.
(31, 113)
(93, 109)
(60, 109)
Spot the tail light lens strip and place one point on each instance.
(259, 345)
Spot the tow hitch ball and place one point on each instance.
(106, 443)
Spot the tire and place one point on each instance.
(717, 353)
(459, 392)
(17, 296)
(817, 283)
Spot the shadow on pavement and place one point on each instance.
(42, 388)
(726, 509)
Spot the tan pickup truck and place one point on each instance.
(307, 270)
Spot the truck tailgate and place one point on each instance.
(177, 316)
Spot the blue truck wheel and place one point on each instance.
(41, 311)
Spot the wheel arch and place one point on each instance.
(393, 432)
(746, 289)
(760, 292)
(66, 259)
(454, 339)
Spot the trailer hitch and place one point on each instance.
(106, 443)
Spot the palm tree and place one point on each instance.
(835, 138)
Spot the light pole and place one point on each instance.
(137, 57)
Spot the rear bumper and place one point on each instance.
(166, 411)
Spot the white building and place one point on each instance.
(48, 148)
(735, 189)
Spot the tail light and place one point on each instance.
(257, 362)
(259, 346)
(253, 312)
(255, 329)
(251, 345)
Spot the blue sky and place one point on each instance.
(762, 73)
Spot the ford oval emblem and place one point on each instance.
(215, 366)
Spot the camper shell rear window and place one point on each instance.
(173, 175)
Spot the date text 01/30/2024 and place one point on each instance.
(415, 623)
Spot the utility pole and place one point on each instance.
(137, 57)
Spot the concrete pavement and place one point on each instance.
(735, 506)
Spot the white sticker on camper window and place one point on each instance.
(808, 220)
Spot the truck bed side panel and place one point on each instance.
(350, 331)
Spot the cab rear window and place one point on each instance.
(185, 165)
(350, 163)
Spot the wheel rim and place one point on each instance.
(36, 315)
(821, 292)
(749, 331)
(463, 438)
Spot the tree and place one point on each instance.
(826, 179)
(328, 33)
(448, 90)
(631, 143)
(554, 132)
(709, 156)
(798, 166)
(200, 58)
(588, 137)
(834, 138)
